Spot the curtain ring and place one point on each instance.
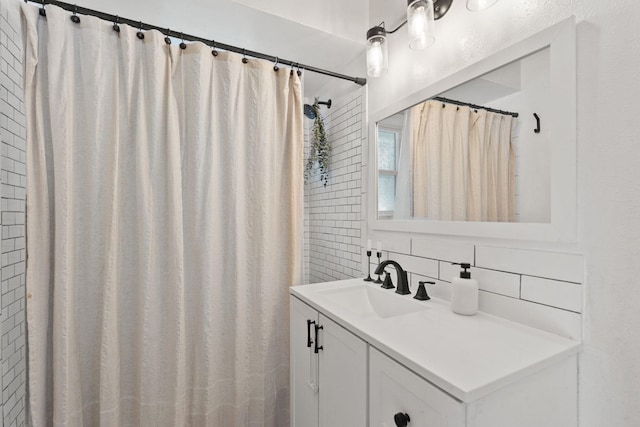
(244, 56)
(275, 67)
(298, 72)
(42, 11)
(116, 27)
(75, 18)
(183, 45)
(167, 39)
(214, 52)
(140, 34)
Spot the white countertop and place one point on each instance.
(466, 356)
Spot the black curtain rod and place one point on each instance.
(184, 36)
(474, 106)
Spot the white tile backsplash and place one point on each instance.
(447, 250)
(557, 321)
(552, 292)
(392, 242)
(422, 266)
(448, 271)
(498, 282)
(551, 265)
(538, 288)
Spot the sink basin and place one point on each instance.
(368, 301)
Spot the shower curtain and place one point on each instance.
(164, 228)
(462, 164)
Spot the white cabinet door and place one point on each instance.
(393, 389)
(343, 377)
(304, 365)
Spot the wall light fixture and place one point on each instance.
(421, 17)
(477, 5)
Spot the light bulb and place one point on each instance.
(377, 57)
(421, 24)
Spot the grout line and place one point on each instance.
(520, 287)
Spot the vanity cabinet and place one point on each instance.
(328, 371)
(428, 368)
(547, 398)
(394, 391)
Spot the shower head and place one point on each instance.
(309, 111)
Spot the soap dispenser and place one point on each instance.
(464, 292)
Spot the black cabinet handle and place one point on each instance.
(315, 350)
(309, 323)
(401, 419)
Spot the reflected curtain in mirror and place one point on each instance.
(459, 163)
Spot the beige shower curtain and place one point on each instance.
(462, 164)
(164, 228)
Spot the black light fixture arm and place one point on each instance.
(397, 28)
(440, 8)
(79, 10)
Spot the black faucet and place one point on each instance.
(403, 283)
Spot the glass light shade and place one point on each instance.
(377, 55)
(478, 5)
(421, 24)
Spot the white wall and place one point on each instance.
(608, 173)
(267, 28)
(532, 150)
(348, 19)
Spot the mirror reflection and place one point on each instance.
(476, 152)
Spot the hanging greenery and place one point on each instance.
(320, 151)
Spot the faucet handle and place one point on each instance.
(388, 283)
(421, 294)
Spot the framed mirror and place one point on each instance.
(489, 151)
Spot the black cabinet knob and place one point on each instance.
(401, 419)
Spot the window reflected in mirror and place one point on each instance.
(388, 144)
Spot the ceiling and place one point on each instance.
(326, 34)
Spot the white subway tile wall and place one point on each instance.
(13, 192)
(547, 318)
(332, 214)
(448, 250)
(538, 288)
(552, 265)
(418, 265)
(552, 292)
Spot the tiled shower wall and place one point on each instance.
(333, 218)
(13, 145)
